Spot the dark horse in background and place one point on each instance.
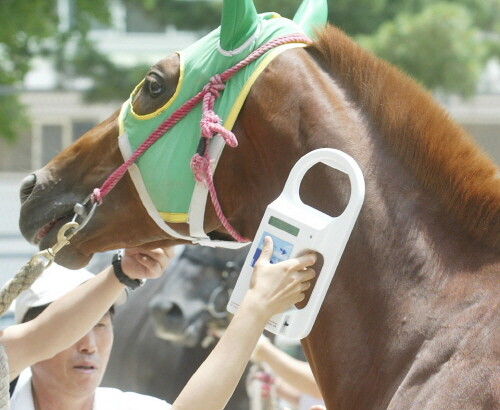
(411, 318)
(164, 331)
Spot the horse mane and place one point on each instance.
(439, 152)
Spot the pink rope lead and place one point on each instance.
(210, 125)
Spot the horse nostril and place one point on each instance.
(166, 310)
(173, 310)
(27, 185)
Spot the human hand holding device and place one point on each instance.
(273, 288)
(276, 287)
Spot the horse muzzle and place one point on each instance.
(43, 210)
(171, 323)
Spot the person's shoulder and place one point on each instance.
(108, 398)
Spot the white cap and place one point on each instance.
(53, 283)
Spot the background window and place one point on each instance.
(51, 142)
(137, 21)
(81, 127)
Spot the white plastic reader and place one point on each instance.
(296, 228)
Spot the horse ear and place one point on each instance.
(239, 22)
(311, 14)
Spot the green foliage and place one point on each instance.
(110, 81)
(18, 44)
(13, 120)
(29, 29)
(443, 45)
(185, 15)
(485, 14)
(439, 46)
(285, 8)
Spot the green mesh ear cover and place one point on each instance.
(311, 14)
(239, 21)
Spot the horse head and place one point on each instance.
(192, 302)
(143, 209)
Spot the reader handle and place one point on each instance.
(334, 159)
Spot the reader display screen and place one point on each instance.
(284, 226)
(282, 249)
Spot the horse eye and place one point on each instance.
(154, 85)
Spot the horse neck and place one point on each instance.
(401, 280)
(334, 113)
(412, 243)
(406, 246)
(436, 149)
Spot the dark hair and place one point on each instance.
(33, 312)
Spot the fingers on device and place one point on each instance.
(297, 228)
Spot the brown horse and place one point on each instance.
(412, 316)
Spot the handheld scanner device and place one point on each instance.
(297, 228)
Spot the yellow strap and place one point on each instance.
(174, 217)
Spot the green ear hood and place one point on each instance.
(238, 23)
(240, 20)
(311, 14)
(165, 168)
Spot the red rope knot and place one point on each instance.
(96, 196)
(214, 86)
(210, 125)
(200, 166)
(210, 122)
(211, 92)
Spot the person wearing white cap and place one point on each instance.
(52, 284)
(81, 313)
(70, 379)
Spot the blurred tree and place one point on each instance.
(439, 46)
(32, 28)
(444, 45)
